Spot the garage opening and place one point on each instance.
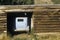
(18, 22)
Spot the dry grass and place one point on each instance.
(39, 36)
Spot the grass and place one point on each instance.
(56, 1)
(32, 36)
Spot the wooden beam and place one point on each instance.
(30, 6)
(31, 10)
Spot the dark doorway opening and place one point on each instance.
(11, 22)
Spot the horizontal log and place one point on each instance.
(30, 6)
(49, 27)
(30, 10)
(46, 20)
(47, 14)
(38, 31)
(3, 16)
(3, 26)
(47, 23)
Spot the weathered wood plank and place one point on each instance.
(30, 6)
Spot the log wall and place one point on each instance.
(3, 22)
(45, 19)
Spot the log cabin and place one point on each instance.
(38, 17)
